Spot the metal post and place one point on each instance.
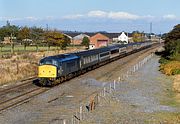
(72, 119)
(110, 87)
(64, 121)
(114, 84)
(104, 91)
(80, 111)
(119, 79)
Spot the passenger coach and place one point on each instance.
(59, 68)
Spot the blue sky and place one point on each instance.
(93, 15)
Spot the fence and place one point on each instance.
(90, 103)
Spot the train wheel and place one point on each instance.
(42, 82)
(45, 82)
(62, 79)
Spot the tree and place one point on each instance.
(174, 34)
(37, 35)
(57, 38)
(172, 43)
(24, 36)
(85, 42)
(137, 36)
(8, 30)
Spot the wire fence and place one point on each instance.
(104, 95)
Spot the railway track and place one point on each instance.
(22, 98)
(25, 91)
(24, 83)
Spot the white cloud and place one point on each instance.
(112, 15)
(119, 15)
(122, 15)
(73, 16)
(97, 13)
(9, 19)
(19, 19)
(169, 16)
(30, 18)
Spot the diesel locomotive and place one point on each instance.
(59, 68)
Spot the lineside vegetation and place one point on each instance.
(170, 60)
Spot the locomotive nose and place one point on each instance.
(48, 71)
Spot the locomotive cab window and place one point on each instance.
(49, 62)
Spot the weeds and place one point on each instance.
(170, 67)
(20, 66)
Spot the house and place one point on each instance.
(27, 41)
(68, 36)
(77, 40)
(98, 40)
(8, 40)
(122, 38)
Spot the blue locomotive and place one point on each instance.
(59, 68)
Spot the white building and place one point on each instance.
(122, 38)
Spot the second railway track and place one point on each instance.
(20, 99)
(24, 83)
(19, 94)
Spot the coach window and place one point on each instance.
(84, 60)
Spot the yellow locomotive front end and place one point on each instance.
(47, 71)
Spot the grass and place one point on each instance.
(22, 65)
(169, 96)
(170, 67)
(164, 118)
(20, 48)
(171, 102)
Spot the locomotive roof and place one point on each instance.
(62, 57)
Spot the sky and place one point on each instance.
(93, 15)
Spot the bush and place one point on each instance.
(175, 71)
(171, 68)
(163, 60)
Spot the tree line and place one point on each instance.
(33, 36)
(172, 44)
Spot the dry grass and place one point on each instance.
(170, 67)
(176, 83)
(166, 118)
(21, 66)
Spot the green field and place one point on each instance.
(7, 49)
(20, 48)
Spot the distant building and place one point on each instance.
(28, 41)
(99, 40)
(122, 38)
(77, 40)
(8, 40)
(91, 46)
(68, 36)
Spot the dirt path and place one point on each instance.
(145, 97)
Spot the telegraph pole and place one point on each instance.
(150, 27)
(47, 27)
(150, 30)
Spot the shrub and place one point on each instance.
(163, 60)
(170, 68)
(175, 71)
